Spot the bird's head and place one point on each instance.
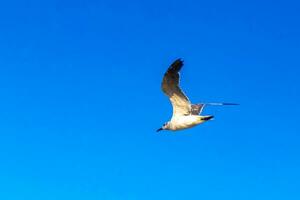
(165, 126)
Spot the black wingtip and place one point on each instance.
(231, 104)
(176, 65)
(178, 60)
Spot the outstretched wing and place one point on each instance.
(197, 108)
(170, 86)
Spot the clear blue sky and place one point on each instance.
(80, 100)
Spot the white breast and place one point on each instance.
(184, 122)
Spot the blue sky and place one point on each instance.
(80, 100)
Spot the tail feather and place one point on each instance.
(206, 118)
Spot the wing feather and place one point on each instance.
(170, 86)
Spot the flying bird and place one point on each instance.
(185, 114)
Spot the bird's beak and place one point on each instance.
(160, 129)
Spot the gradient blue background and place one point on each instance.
(80, 100)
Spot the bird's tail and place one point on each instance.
(206, 118)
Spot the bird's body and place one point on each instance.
(185, 114)
(184, 122)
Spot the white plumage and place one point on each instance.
(185, 115)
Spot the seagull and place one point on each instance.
(185, 114)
